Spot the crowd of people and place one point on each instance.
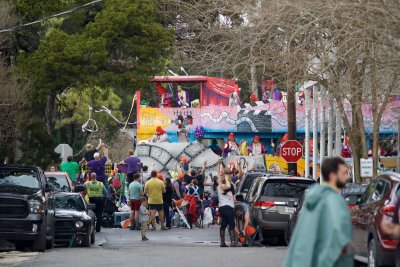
(153, 198)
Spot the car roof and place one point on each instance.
(55, 173)
(286, 176)
(393, 175)
(18, 166)
(256, 173)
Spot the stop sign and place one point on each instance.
(291, 151)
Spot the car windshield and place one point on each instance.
(70, 202)
(289, 188)
(19, 177)
(58, 182)
(248, 181)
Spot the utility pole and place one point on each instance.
(307, 101)
(315, 131)
(322, 132)
(330, 126)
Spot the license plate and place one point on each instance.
(289, 210)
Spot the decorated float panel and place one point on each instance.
(265, 118)
(164, 156)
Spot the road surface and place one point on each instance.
(176, 247)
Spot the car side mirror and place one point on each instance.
(240, 198)
(79, 188)
(91, 206)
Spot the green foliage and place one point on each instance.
(36, 146)
(117, 44)
(75, 104)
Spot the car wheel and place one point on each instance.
(286, 237)
(372, 254)
(21, 245)
(87, 240)
(40, 243)
(50, 243)
(93, 236)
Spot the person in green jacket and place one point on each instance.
(71, 167)
(323, 232)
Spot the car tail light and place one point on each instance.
(263, 204)
(351, 206)
(388, 210)
(391, 243)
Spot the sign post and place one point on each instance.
(366, 166)
(64, 150)
(292, 151)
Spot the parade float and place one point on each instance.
(215, 108)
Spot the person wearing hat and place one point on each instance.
(89, 154)
(98, 166)
(257, 148)
(231, 147)
(159, 136)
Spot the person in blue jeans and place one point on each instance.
(167, 202)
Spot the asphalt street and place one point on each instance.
(176, 247)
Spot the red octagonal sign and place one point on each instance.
(291, 151)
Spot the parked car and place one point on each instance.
(247, 181)
(26, 207)
(296, 214)
(75, 220)
(352, 193)
(377, 203)
(272, 200)
(60, 181)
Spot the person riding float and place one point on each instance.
(257, 148)
(231, 147)
(159, 136)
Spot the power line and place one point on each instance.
(51, 16)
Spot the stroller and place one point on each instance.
(190, 211)
(108, 213)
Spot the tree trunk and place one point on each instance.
(356, 161)
(375, 144)
(49, 112)
(253, 80)
(291, 115)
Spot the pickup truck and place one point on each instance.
(27, 207)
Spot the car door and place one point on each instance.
(252, 195)
(368, 212)
(358, 218)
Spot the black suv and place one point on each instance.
(26, 207)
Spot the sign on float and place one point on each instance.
(292, 151)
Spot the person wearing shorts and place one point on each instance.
(135, 194)
(155, 188)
